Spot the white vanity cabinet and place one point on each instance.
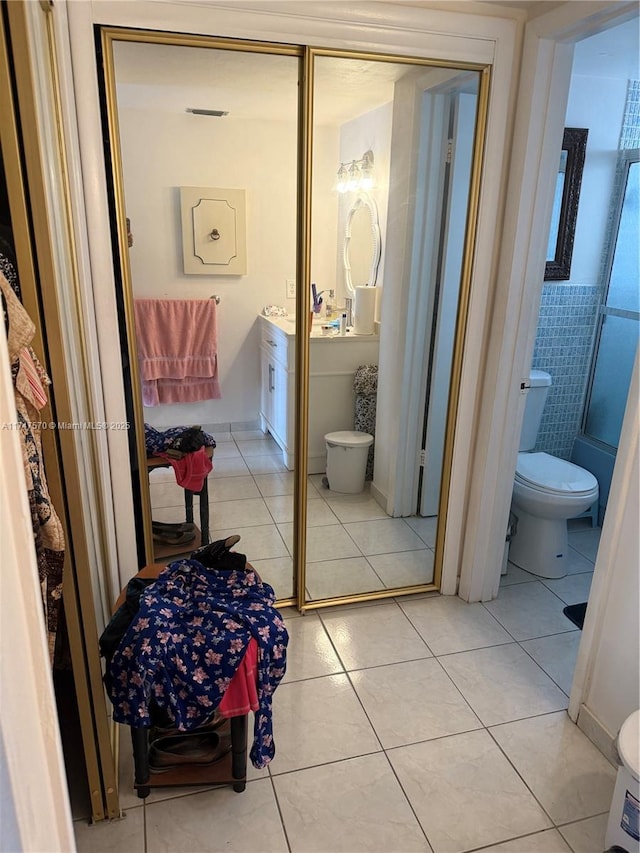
(332, 365)
(274, 392)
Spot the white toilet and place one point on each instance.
(546, 492)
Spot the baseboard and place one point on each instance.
(379, 496)
(598, 735)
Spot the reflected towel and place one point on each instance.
(177, 348)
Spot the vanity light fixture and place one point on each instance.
(356, 175)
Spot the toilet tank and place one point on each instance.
(536, 398)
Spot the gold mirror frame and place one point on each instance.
(303, 275)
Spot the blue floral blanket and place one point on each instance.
(185, 643)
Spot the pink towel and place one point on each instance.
(177, 348)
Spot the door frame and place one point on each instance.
(452, 37)
(542, 101)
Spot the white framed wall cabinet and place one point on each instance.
(214, 232)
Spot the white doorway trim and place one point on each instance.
(542, 99)
(436, 34)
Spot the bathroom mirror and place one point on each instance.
(361, 244)
(565, 204)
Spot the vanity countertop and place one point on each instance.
(288, 326)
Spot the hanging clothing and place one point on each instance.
(191, 470)
(30, 381)
(186, 642)
(177, 347)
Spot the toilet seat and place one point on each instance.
(551, 475)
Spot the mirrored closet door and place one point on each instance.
(325, 230)
(205, 139)
(393, 148)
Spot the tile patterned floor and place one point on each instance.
(352, 546)
(420, 724)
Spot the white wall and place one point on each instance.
(163, 151)
(609, 649)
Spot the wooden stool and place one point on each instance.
(230, 769)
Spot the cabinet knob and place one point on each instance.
(273, 343)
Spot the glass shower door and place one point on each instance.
(617, 339)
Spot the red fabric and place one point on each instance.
(192, 470)
(241, 695)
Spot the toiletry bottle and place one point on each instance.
(328, 308)
(343, 324)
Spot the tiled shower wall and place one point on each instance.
(564, 341)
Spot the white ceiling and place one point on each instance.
(173, 78)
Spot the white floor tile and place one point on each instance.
(166, 493)
(354, 805)
(362, 637)
(261, 447)
(384, 537)
(360, 507)
(310, 653)
(329, 542)
(265, 464)
(565, 771)
(348, 576)
(318, 512)
(557, 656)
(549, 841)
(232, 489)
(528, 610)
(229, 468)
(586, 542)
(578, 563)
(116, 836)
(318, 721)
(448, 624)
(278, 483)
(250, 435)
(516, 575)
(586, 836)
(503, 683)
(262, 542)
(219, 819)
(404, 568)
(426, 528)
(226, 450)
(408, 702)
(278, 573)
(465, 793)
(572, 589)
(239, 513)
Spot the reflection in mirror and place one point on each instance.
(359, 542)
(224, 123)
(565, 204)
(361, 244)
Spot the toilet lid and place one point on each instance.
(551, 474)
